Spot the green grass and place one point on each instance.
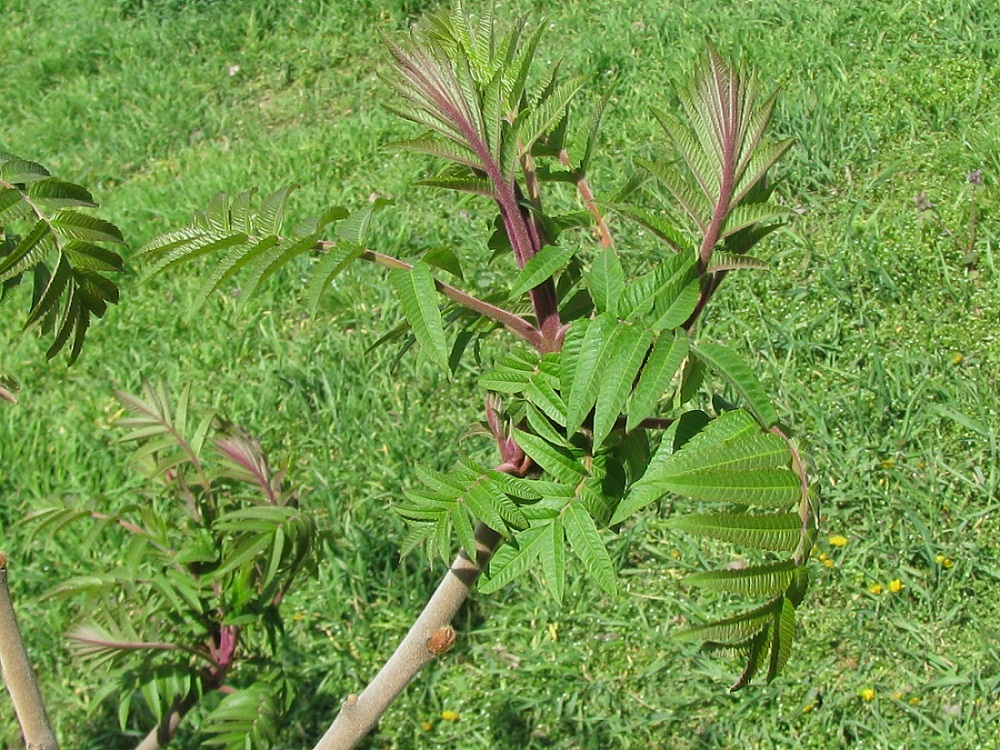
(874, 332)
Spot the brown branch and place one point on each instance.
(19, 677)
(359, 713)
(166, 729)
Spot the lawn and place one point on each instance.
(875, 331)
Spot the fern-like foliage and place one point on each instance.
(596, 412)
(47, 238)
(247, 236)
(720, 180)
(209, 555)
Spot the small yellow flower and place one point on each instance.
(828, 563)
(875, 588)
(889, 463)
(943, 561)
(867, 695)
(449, 715)
(836, 540)
(427, 726)
(823, 557)
(896, 585)
(958, 359)
(808, 707)
(914, 700)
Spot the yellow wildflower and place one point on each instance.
(427, 726)
(875, 588)
(943, 561)
(914, 700)
(808, 707)
(828, 563)
(958, 358)
(449, 715)
(896, 585)
(836, 540)
(867, 695)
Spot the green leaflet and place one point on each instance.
(556, 460)
(730, 460)
(553, 555)
(474, 185)
(739, 375)
(779, 532)
(446, 259)
(52, 193)
(247, 719)
(587, 370)
(442, 148)
(766, 488)
(327, 269)
(77, 226)
(545, 114)
(725, 261)
(659, 226)
(664, 296)
(515, 558)
(664, 361)
(754, 580)
(694, 202)
(269, 218)
(30, 251)
(585, 540)
(511, 374)
(541, 426)
(733, 630)
(542, 395)
(606, 281)
(595, 127)
(442, 504)
(418, 300)
(748, 214)
(540, 268)
(620, 365)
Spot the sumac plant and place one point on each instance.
(594, 383)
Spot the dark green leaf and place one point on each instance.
(779, 532)
(624, 356)
(753, 580)
(606, 282)
(557, 461)
(585, 540)
(513, 559)
(327, 268)
(541, 267)
(418, 299)
(739, 375)
(664, 361)
(589, 362)
(53, 193)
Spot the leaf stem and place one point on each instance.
(587, 196)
